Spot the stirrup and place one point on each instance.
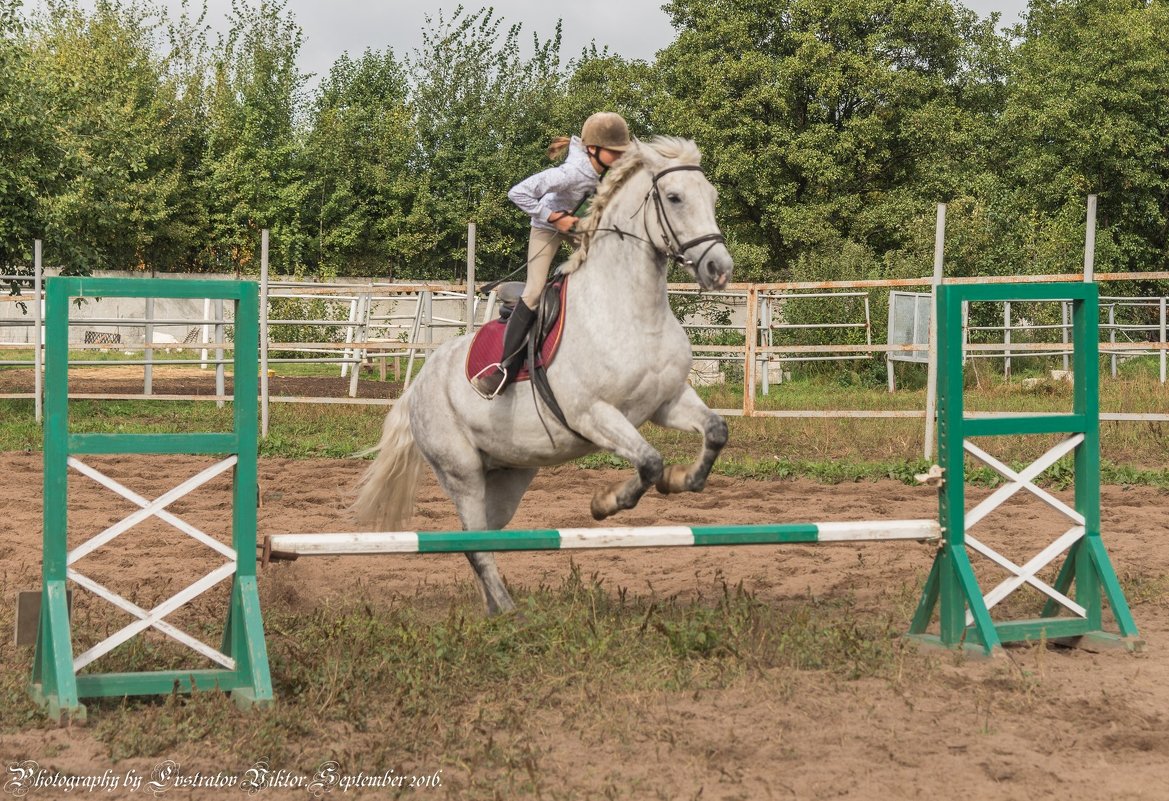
(499, 388)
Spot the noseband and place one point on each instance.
(676, 250)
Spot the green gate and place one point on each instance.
(952, 587)
(57, 681)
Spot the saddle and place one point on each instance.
(487, 346)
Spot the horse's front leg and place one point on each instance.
(608, 428)
(687, 412)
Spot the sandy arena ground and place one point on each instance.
(1093, 726)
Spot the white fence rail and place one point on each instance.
(372, 323)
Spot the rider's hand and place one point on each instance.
(564, 222)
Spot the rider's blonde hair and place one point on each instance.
(557, 147)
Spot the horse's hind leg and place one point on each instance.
(687, 412)
(465, 483)
(608, 428)
(491, 586)
(504, 489)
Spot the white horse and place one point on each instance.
(623, 359)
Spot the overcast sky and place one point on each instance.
(630, 28)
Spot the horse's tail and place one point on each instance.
(385, 496)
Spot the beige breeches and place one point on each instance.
(542, 249)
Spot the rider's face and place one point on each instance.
(603, 158)
(608, 157)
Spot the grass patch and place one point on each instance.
(1141, 590)
(828, 450)
(411, 685)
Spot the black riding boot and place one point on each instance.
(493, 382)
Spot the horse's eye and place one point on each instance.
(674, 197)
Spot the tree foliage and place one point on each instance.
(830, 127)
(25, 140)
(482, 112)
(830, 124)
(361, 186)
(254, 175)
(117, 175)
(1086, 112)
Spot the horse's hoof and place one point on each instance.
(674, 478)
(507, 608)
(599, 508)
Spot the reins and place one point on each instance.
(488, 287)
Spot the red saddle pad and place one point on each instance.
(487, 346)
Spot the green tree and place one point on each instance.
(602, 81)
(254, 171)
(484, 116)
(362, 183)
(25, 141)
(118, 175)
(1086, 113)
(182, 242)
(830, 126)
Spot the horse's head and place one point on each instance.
(660, 182)
(680, 211)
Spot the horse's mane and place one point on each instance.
(684, 151)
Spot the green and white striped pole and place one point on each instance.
(340, 544)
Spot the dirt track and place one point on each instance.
(1087, 726)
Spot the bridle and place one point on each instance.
(672, 246)
(676, 251)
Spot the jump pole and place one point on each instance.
(277, 546)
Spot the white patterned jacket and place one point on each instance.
(559, 188)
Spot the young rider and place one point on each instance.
(550, 197)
